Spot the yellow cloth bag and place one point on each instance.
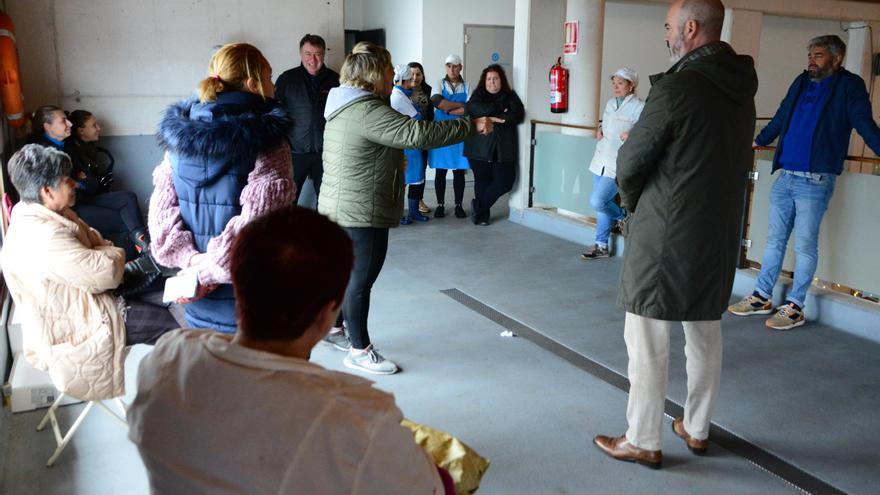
(464, 465)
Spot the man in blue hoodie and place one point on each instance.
(813, 123)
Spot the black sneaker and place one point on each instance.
(594, 252)
(439, 212)
(459, 212)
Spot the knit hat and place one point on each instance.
(628, 74)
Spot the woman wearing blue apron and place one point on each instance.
(415, 170)
(449, 98)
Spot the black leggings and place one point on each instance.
(491, 181)
(457, 185)
(416, 191)
(370, 247)
(116, 215)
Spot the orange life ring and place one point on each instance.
(10, 84)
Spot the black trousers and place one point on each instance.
(491, 181)
(416, 191)
(116, 215)
(147, 319)
(370, 248)
(307, 165)
(457, 185)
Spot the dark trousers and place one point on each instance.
(116, 215)
(307, 165)
(491, 181)
(416, 191)
(370, 247)
(457, 185)
(147, 319)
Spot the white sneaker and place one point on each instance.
(370, 361)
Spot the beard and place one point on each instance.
(820, 73)
(676, 48)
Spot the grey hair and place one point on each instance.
(33, 167)
(830, 42)
(709, 15)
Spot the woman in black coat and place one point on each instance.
(493, 157)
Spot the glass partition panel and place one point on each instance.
(562, 176)
(849, 234)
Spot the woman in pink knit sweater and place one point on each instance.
(227, 161)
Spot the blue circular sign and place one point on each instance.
(495, 56)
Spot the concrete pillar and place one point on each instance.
(585, 66)
(859, 54)
(742, 29)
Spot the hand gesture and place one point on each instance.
(484, 125)
(624, 136)
(497, 120)
(201, 291)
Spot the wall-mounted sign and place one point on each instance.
(570, 46)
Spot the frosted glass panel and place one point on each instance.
(562, 176)
(849, 237)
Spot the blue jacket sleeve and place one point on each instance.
(771, 131)
(859, 109)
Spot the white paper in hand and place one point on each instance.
(184, 285)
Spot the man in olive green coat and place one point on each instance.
(683, 173)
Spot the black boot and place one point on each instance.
(141, 240)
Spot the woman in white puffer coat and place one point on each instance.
(621, 113)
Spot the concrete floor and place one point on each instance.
(809, 396)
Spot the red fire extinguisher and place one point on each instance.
(558, 88)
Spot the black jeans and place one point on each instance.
(457, 185)
(491, 181)
(116, 215)
(370, 247)
(307, 165)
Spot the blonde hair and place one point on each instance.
(231, 68)
(365, 66)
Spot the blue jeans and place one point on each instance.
(607, 211)
(799, 203)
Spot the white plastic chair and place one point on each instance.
(62, 441)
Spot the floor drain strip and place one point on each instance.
(718, 435)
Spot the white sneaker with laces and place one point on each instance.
(370, 361)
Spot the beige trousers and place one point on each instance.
(647, 344)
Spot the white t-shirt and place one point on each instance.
(214, 417)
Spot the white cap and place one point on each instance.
(628, 74)
(453, 59)
(402, 73)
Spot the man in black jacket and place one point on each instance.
(682, 172)
(303, 92)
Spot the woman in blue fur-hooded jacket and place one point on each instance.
(227, 161)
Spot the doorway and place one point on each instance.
(485, 45)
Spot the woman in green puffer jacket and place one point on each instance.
(363, 184)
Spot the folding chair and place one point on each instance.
(62, 441)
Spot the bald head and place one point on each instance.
(708, 14)
(691, 24)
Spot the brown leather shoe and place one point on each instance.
(620, 449)
(698, 447)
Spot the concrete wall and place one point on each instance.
(443, 31)
(402, 22)
(783, 56)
